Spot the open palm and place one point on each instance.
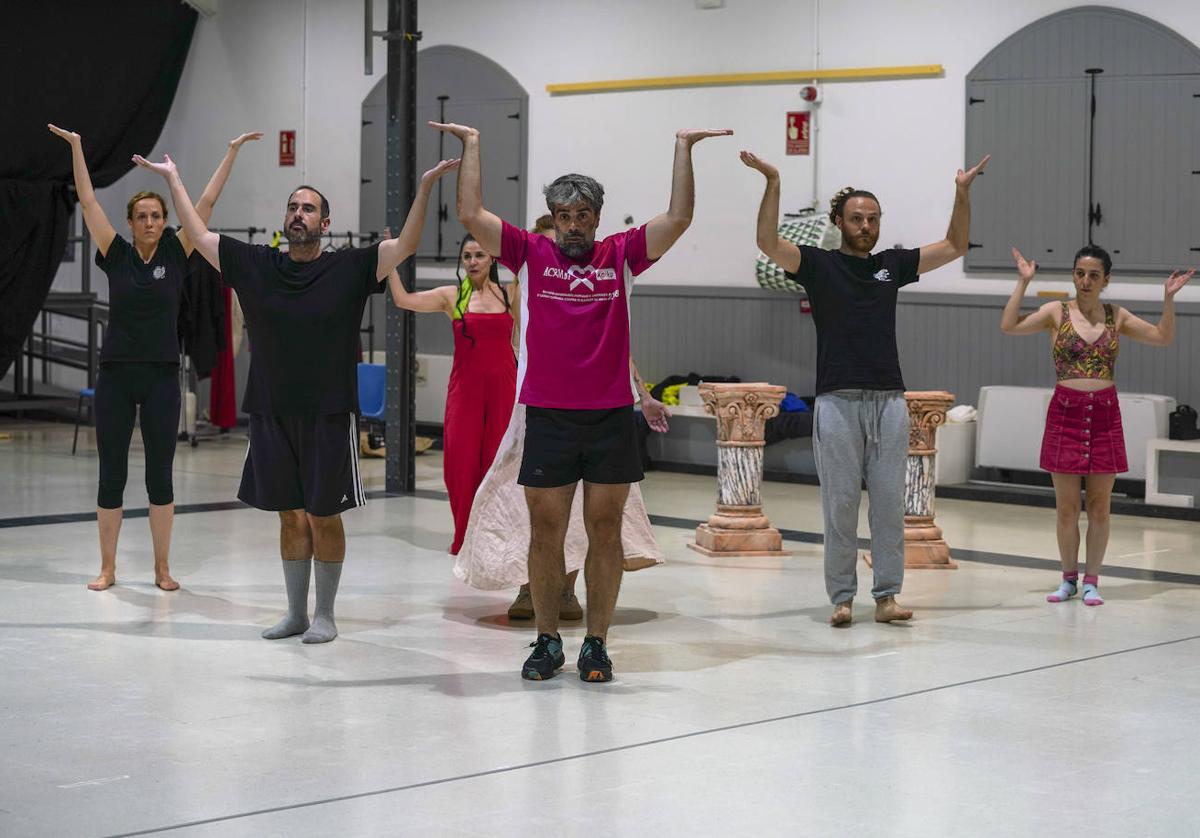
(1177, 280)
(441, 169)
(755, 162)
(963, 180)
(1025, 268)
(165, 168)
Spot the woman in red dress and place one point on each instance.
(483, 378)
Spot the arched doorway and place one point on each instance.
(453, 85)
(1093, 118)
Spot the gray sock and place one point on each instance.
(324, 628)
(295, 575)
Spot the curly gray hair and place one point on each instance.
(573, 188)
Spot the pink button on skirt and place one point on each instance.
(1083, 433)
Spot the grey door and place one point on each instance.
(372, 196)
(499, 123)
(1034, 193)
(1148, 196)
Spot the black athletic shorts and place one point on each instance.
(563, 447)
(303, 462)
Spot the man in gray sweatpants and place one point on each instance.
(860, 428)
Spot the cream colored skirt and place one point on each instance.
(495, 550)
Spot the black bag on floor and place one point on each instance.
(1181, 424)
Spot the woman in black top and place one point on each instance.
(139, 358)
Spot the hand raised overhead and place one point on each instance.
(69, 136)
(1177, 280)
(963, 180)
(236, 142)
(165, 168)
(1025, 268)
(460, 131)
(691, 136)
(755, 162)
(440, 169)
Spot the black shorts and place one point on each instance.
(303, 462)
(563, 447)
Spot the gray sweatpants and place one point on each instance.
(862, 435)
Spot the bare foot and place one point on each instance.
(887, 610)
(102, 582)
(843, 613)
(163, 580)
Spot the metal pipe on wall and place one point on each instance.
(815, 122)
(402, 37)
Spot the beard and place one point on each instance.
(573, 247)
(297, 237)
(863, 243)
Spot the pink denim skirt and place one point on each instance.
(1083, 433)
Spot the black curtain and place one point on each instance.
(106, 70)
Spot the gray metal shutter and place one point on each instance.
(1034, 193)
(1147, 147)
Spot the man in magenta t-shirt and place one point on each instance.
(578, 398)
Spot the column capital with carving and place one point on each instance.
(926, 411)
(742, 410)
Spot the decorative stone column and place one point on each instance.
(923, 544)
(739, 527)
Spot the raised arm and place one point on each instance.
(196, 230)
(485, 226)
(98, 226)
(1163, 334)
(1011, 321)
(435, 299)
(780, 251)
(394, 251)
(664, 230)
(208, 198)
(954, 246)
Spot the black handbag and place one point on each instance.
(1181, 424)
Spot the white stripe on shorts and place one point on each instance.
(360, 497)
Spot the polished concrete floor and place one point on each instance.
(735, 711)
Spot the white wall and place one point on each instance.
(278, 64)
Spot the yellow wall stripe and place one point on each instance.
(721, 79)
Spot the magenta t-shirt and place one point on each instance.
(575, 318)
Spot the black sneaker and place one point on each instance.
(594, 664)
(547, 657)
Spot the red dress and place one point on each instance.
(479, 403)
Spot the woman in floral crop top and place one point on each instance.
(1083, 444)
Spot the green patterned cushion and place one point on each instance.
(809, 227)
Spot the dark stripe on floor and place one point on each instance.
(958, 554)
(633, 746)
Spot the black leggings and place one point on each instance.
(120, 389)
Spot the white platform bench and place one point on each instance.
(1173, 472)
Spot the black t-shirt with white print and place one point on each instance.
(854, 308)
(303, 319)
(143, 300)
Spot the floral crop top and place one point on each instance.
(1076, 358)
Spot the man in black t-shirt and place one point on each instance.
(860, 426)
(303, 308)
